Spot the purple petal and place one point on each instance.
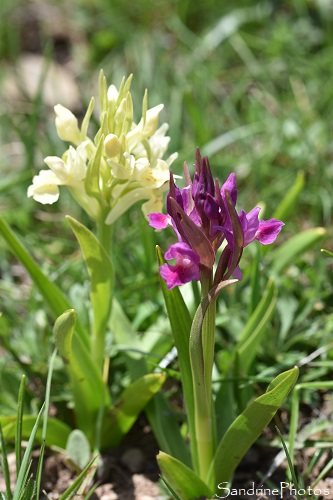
(193, 235)
(211, 208)
(188, 204)
(181, 250)
(250, 224)
(174, 192)
(230, 185)
(159, 221)
(237, 273)
(268, 231)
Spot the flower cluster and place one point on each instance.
(204, 218)
(120, 166)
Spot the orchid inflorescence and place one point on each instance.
(121, 165)
(205, 219)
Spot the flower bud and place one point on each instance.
(67, 125)
(150, 126)
(112, 146)
(113, 94)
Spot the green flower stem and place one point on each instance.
(201, 357)
(208, 337)
(105, 235)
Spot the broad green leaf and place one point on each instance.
(57, 431)
(54, 298)
(287, 253)
(183, 480)
(248, 426)
(101, 273)
(159, 414)
(287, 205)
(180, 322)
(78, 448)
(120, 418)
(254, 330)
(87, 385)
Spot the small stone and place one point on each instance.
(133, 459)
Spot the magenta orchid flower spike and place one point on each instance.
(204, 218)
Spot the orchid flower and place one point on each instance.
(204, 218)
(124, 161)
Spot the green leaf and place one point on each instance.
(101, 272)
(4, 464)
(54, 298)
(28, 492)
(254, 330)
(78, 448)
(183, 480)
(290, 463)
(287, 205)
(57, 431)
(287, 253)
(87, 384)
(45, 422)
(25, 466)
(19, 417)
(181, 323)
(120, 418)
(247, 427)
(204, 437)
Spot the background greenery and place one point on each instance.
(250, 84)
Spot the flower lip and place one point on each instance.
(158, 220)
(186, 268)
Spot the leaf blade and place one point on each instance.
(183, 480)
(246, 428)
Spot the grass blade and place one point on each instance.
(290, 463)
(4, 465)
(19, 419)
(46, 414)
(254, 330)
(24, 465)
(76, 484)
(289, 251)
